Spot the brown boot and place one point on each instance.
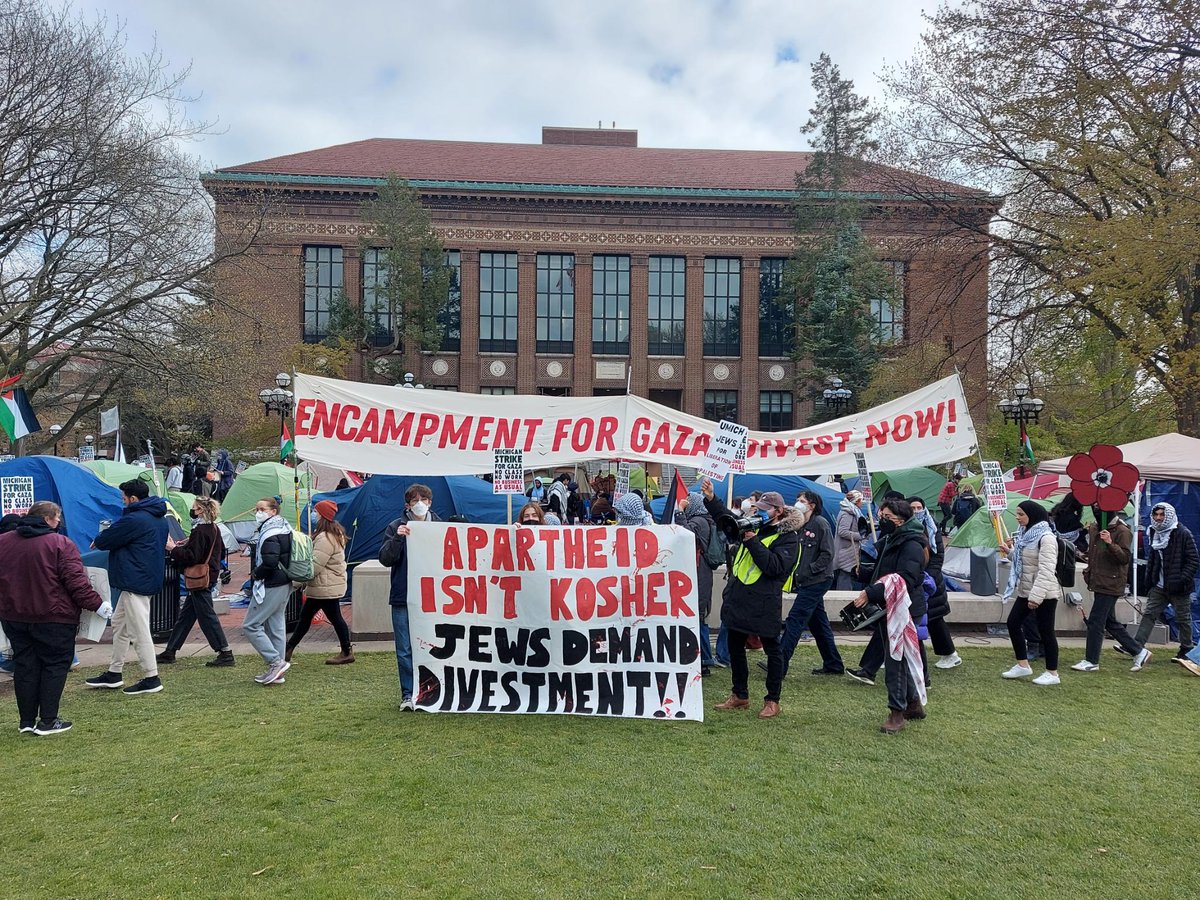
(733, 703)
(770, 710)
(346, 656)
(893, 723)
(914, 710)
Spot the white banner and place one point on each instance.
(723, 451)
(110, 420)
(598, 620)
(387, 430)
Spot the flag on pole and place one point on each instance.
(1026, 446)
(678, 490)
(119, 450)
(16, 413)
(287, 446)
(110, 420)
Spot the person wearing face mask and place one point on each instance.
(531, 514)
(418, 507)
(204, 545)
(939, 601)
(691, 514)
(847, 543)
(264, 625)
(752, 603)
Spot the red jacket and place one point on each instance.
(42, 577)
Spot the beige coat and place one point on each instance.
(329, 570)
(1037, 570)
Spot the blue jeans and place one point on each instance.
(722, 652)
(706, 654)
(808, 609)
(403, 650)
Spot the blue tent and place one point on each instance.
(84, 498)
(366, 510)
(787, 485)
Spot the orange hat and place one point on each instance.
(326, 509)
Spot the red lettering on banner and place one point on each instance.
(531, 427)
(606, 587)
(621, 548)
(596, 557)
(662, 439)
(325, 419)
(369, 429)
(606, 432)
(680, 587)
(572, 548)
(953, 416)
(684, 434)
(394, 431)
(303, 411)
(509, 584)
(548, 537)
(452, 435)
(877, 433)
(654, 606)
(475, 595)
(477, 539)
(451, 551)
(902, 427)
(525, 540)
(427, 424)
(585, 598)
(581, 435)
(701, 445)
(558, 596)
(347, 411)
(930, 420)
(483, 433)
(502, 556)
(843, 438)
(450, 585)
(823, 445)
(428, 602)
(507, 431)
(639, 439)
(646, 550)
(560, 434)
(633, 601)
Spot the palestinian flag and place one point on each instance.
(16, 415)
(678, 489)
(1026, 446)
(287, 446)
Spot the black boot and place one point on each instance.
(167, 656)
(224, 658)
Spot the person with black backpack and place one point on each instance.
(691, 514)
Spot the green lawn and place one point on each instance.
(218, 787)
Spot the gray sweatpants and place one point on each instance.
(264, 625)
(1156, 601)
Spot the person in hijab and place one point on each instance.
(1033, 551)
(629, 509)
(1171, 574)
(551, 519)
(536, 492)
(847, 543)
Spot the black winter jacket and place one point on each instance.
(758, 608)
(1177, 561)
(939, 603)
(816, 552)
(903, 554)
(276, 555)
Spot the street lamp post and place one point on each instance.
(1021, 408)
(54, 431)
(408, 383)
(278, 399)
(836, 397)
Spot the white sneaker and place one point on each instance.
(949, 662)
(1084, 666)
(406, 705)
(1017, 672)
(1139, 661)
(1047, 678)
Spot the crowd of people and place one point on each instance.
(767, 545)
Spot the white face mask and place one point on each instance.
(747, 508)
(261, 515)
(801, 506)
(419, 509)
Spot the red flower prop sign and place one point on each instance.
(1102, 478)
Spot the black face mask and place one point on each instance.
(887, 527)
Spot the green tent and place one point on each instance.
(978, 530)
(116, 473)
(181, 503)
(920, 482)
(266, 479)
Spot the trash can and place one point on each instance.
(164, 606)
(291, 617)
(984, 565)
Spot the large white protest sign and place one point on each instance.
(598, 620)
(16, 494)
(621, 488)
(508, 471)
(864, 477)
(723, 450)
(993, 486)
(87, 453)
(383, 430)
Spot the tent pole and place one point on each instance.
(510, 519)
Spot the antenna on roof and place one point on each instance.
(599, 124)
(614, 124)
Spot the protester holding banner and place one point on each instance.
(418, 507)
(691, 514)
(847, 545)
(204, 547)
(265, 622)
(531, 514)
(1033, 551)
(43, 587)
(137, 556)
(325, 590)
(753, 600)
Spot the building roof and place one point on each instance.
(548, 164)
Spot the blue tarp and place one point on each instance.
(84, 498)
(366, 510)
(787, 485)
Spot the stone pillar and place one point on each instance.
(748, 387)
(693, 336)
(639, 326)
(526, 362)
(468, 355)
(582, 367)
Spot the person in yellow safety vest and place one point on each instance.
(752, 603)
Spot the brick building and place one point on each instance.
(586, 260)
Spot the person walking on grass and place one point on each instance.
(1106, 574)
(137, 557)
(204, 546)
(418, 507)
(1033, 552)
(325, 590)
(264, 625)
(43, 587)
(1170, 575)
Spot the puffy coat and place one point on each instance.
(847, 541)
(276, 552)
(699, 524)
(1038, 561)
(758, 608)
(903, 553)
(1108, 565)
(329, 570)
(204, 543)
(1177, 562)
(137, 547)
(816, 552)
(42, 577)
(939, 601)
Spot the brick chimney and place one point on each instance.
(590, 137)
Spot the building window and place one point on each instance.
(323, 281)
(374, 306)
(450, 318)
(498, 391)
(610, 304)
(889, 311)
(776, 317)
(666, 305)
(555, 303)
(775, 410)
(722, 306)
(442, 387)
(498, 302)
(554, 391)
(720, 405)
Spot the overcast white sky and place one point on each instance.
(283, 76)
